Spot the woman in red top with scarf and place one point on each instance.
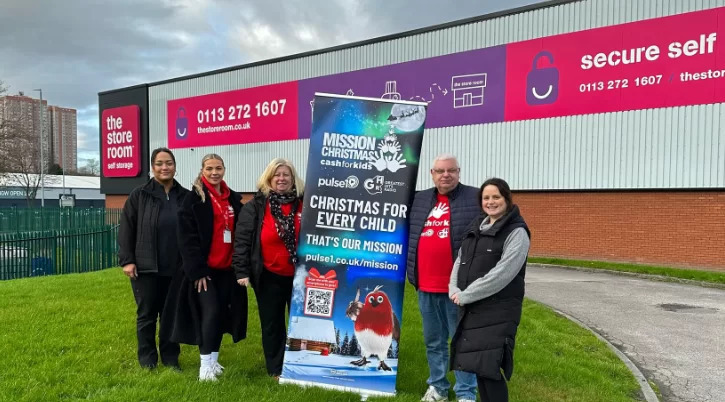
(265, 252)
(208, 302)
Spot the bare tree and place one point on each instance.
(3, 122)
(94, 166)
(20, 160)
(91, 168)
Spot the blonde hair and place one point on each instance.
(197, 184)
(264, 183)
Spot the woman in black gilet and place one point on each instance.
(487, 281)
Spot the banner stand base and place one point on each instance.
(364, 393)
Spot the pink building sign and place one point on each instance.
(120, 142)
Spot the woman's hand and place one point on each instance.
(243, 282)
(200, 284)
(455, 300)
(130, 271)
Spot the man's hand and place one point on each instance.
(130, 271)
(243, 282)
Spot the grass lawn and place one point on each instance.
(668, 272)
(72, 337)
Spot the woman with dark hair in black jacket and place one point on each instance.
(488, 282)
(205, 298)
(149, 254)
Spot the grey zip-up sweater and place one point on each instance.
(515, 250)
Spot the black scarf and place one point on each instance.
(285, 224)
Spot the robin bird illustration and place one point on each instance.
(376, 325)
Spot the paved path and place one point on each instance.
(674, 333)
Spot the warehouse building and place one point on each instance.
(26, 190)
(604, 116)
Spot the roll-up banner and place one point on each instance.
(347, 300)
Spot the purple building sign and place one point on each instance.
(460, 89)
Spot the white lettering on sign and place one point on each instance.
(705, 44)
(348, 146)
(117, 138)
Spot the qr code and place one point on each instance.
(319, 302)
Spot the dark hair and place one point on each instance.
(502, 187)
(157, 151)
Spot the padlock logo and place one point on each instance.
(542, 84)
(182, 124)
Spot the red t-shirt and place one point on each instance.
(435, 257)
(275, 256)
(220, 253)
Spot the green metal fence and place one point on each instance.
(53, 252)
(38, 219)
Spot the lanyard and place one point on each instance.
(225, 213)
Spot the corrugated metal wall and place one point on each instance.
(661, 148)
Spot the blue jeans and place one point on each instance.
(440, 317)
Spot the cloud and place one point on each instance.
(75, 49)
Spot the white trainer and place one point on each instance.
(217, 368)
(206, 373)
(431, 395)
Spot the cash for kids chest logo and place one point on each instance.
(362, 152)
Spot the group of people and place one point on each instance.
(191, 254)
(467, 259)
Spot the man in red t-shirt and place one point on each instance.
(438, 218)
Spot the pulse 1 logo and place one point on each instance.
(542, 84)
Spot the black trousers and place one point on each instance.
(492, 390)
(214, 310)
(274, 294)
(150, 291)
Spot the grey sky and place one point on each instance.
(75, 49)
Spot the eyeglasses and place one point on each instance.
(450, 171)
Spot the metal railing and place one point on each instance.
(39, 219)
(54, 252)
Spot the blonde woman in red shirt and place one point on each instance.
(207, 300)
(265, 252)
